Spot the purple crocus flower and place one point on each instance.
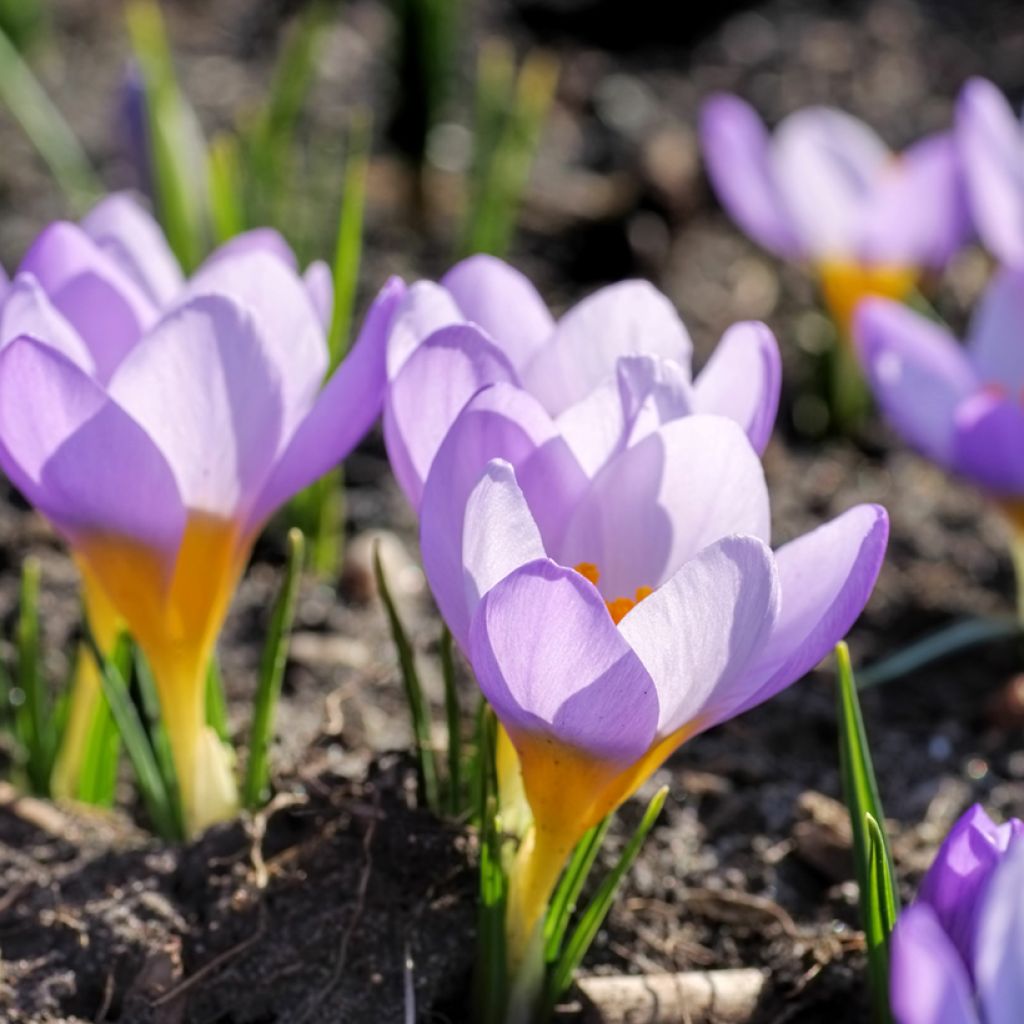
(157, 423)
(958, 951)
(991, 143)
(485, 323)
(614, 606)
(957, 404)
(825, 190)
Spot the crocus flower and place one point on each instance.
(158, 423)
(612, 613)
(959, 405)
(958, 951)
(991, 143)
(485, 323)
(826, 191)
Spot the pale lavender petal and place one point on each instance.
(501, 422)
(899, 228)
(283, 313)
(988, 445)
(549, 659)
(629, 318)
(206, 389)
(927, 980)
(78, 457)
(955, 884)
(107, 308)
(826, 576)
(431, 388)
(996, 338)
(991, 147)
(697, 632)
(26, 311)
(742, 380)
(344, 410)
(918, 372)
(502, 300)
(826, 165)
(320, 287)
(499, 532)
(645, 393)
(124, 229)
(262, 240)
(1000, 951)
(425, 308)
(658, 503)
(736, 153)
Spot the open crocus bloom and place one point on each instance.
(485, 323)
(958, 951)
(612, 613)
(158, 424)
(825, 190)
(990, 138)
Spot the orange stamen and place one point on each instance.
(618, 607)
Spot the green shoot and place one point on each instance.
(272, 664)
(227, 206)
(216, 703)
(453, 718)
(34, 722)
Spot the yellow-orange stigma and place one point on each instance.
(617, 607)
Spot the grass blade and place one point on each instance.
(45, 126)
(161, 745)
(97, 780)
(953, 639)
(177, 148)
(160, 801)
(453, 716)
(560, 974)
(275, 655)
(418, 709)
(860, 791)
(349, 247)
(563, 903)
(216, 704)
(885, 902)
(33, 722)
(227, 206)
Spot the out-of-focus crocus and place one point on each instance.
(157, 423)
(622, 347)
(826, 191)
(990, 138)
(958, 951)
(614, 606)
(960, 405)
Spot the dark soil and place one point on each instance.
(313, 910)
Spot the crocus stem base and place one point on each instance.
(1013, 513)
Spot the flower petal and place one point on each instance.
(826, 165)
(629, 318)
(658, 503)
(991, 147)
(927, 980)
(742, 380)
(1000, 981)
(425, 308)
(736, 153)
(988, 445)
(501, 422)
(264, 240)
(826, 576)
(80, 458)
(319, 284)
(431, 388)
(549, 659)
(917, 370)
(994, 341)
(205, 387)
(503, 301)
(499, 533)
(282, 310)
(696, 633)
(124, 229)
(344, 410)
(27, 311)
(107, 308)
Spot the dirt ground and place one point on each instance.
(343, 896)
